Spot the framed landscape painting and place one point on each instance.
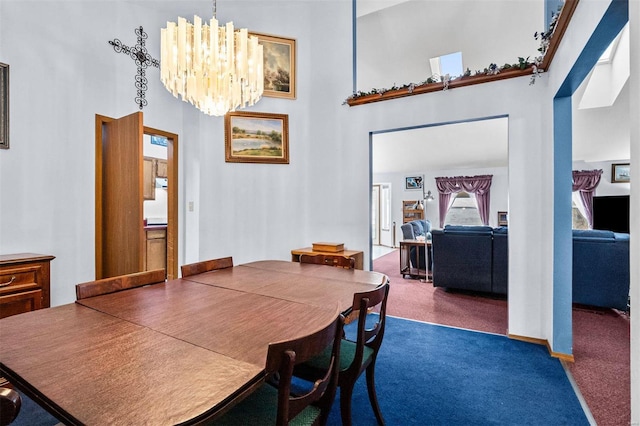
(620, 173)
(256, 137)
(279, 56)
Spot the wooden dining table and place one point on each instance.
(177, 352)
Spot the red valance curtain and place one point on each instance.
(480, 186)
(586, 182)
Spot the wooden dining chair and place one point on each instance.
(119, 283)
(10, 403)
(356, 355)
(206, 266)
(274, 403)
(329, 259)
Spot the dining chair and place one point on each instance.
(119, 283)
(274, 403)
(10, 403)
(206, 266)
(329, 259)
(356, 355)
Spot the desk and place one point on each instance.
(173, 352)
(358, 256)
(410, 265)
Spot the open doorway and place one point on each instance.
(399, 157)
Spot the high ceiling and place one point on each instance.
(599, 133)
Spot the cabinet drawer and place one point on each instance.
(14, 304)
(153, 234)
(20, 278)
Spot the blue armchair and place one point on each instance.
(410, 231)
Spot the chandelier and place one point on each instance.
(217, 69)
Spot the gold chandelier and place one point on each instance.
(215, 68)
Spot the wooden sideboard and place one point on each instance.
(24, 283)
(357, 256)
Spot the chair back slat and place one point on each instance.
(206, 266)
(119, 283)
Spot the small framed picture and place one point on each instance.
(256, 137)
(620, 173)
(503, 219)
(413, 182)
(279, 57)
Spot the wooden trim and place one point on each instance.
(544, 342)
(561, 27)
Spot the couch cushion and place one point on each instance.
(595, 234)
(417, 227)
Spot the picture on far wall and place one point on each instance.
(279, 56)
(503, 219)
(413, 182)
(256, 137)
(620, 173)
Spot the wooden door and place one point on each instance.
(119, 197)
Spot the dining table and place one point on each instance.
(181, 351)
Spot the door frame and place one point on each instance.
(172, 195)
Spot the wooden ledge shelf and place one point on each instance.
(560, 28)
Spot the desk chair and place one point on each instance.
(119, 283)
(356, 356)
(329, 259)
(273, 403)
(206, 266)
(10, 403)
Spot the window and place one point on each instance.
(463, 211)
(447, 64)
(577, 219)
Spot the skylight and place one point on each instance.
(447, 64)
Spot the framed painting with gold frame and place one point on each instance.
(279, 56)
(256, 137)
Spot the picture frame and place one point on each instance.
(621, 173)
(256, 137)
(503, 219)
(279, 56)
(413, 182)
(4, 106)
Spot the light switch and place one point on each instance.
(190, 206)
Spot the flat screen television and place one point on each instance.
(611, 213)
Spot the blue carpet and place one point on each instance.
(433, 375)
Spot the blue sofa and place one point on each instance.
(476, 258)
(601, 268)
(462, 258)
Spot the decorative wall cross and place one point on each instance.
(143, 60)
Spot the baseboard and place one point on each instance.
(561, 356)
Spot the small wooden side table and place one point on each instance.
(358, 256)
(406, 268)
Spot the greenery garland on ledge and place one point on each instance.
(491, 73)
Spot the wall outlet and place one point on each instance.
(190, 206)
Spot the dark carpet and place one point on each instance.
(433, 375)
